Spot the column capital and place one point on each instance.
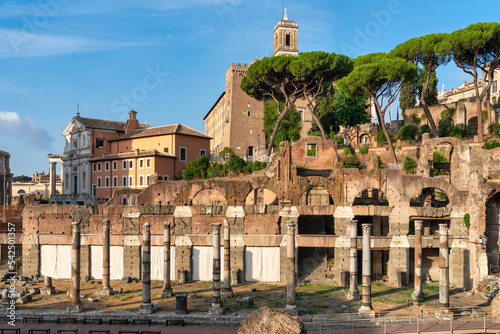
(354, 224)
(75, 227)
(146, 229)
(105, 224)
(226, 223)
(418, 224)
(290, 227)
(443, 229)
(367, 228)
(166, 224)
(216, 228)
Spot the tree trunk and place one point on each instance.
(480, 133)
(384, 129)
(427, 112)
(275, 131)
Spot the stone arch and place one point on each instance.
(261, 196)
(316, 196)
(209, 196)
(364, 139)
(472, 123)
(371, 196)
(492, 231)
(21, 192)
(415, 189)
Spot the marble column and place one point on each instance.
(167, 289)
(216, 308)
(366, 290)
(290, 307)
(226, 290)
(53, 177)
(353, 271)
(76, 305)
(106, 273)
(417, 294)
(146, 306)
(444, 281)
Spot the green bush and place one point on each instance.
(363, 150)
(311, 152)
(438, 157)
(346, 151)
(380, 137)
(380, 164)
(235, 164)
(491, 144)
(494, 129)
(409, 165)
(408, 132)
(484, 114)
(424, 129)
(316, 133)
(415, 118)
(196, 168)
(339, 139)
(459, 131)
(444, 129)
(447, 113)
(350, 161)
(423, 117)
(467, 220)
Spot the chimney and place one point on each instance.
(132, 123)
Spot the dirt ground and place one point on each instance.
(311, 299)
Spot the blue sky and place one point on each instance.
(167, 59)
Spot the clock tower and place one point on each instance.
(286, 38)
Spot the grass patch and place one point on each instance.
(433, 288)
(314, 309)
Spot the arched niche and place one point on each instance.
(493, 230)
(261, 196)
(371, 197)
(316, 196)
(430, 198)
(209, 196)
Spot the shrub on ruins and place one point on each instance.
(439, 157)
(491, 144)
(409, 165)
(459, 131)
(444, 129)
(363, 150)
(196, 169)
(424, 129)
(408, 132)
(494, 129)
(350, 161)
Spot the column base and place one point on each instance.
(148, 308)
(167, 293)
(353, 295)
(216, 309)
(226, 292)
(366, 311)
(48, 291)
(105, 292)
(75, 308)
(444, 314)
(292, 310)
(417, 296)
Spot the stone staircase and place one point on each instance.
(313, 267)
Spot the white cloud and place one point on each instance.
(26, 44)
(25, 129)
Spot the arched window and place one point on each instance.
(287, 40)
(473, 126)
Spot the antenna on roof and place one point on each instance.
(78, 109)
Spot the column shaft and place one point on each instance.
(418, 294)
(146, 265)
(290, 262)
(166, 245)
(226, 290)
(353, 269)
(366, 302)
(216, 265)
(75, 264)
(444, 281)
(106, 255)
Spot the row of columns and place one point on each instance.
(217, 307)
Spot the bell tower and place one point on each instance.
(286, 38)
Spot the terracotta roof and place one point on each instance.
(162, 130)
(125, 155)
(102, 124)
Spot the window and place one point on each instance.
(99, 143)
(124, 200)
(106, 166)
(84, 180)
(141, 180)
(98, 166)
(115, 165)
(165, 149)
(249, 113)
(148, 163)
(131, 164)
(67, 183)
(99, 182)
(203, 152)
(75, 143)
(124, 165)
(93, 167)
(311, 150)
(115, 181)
(287, 40)
(130, 181)
(494, 87)
(106, 183)
(124, 181)
(301, 114)
(141, 163)
(183, 154)
(94, 190)
(165, 177)
(148, 178)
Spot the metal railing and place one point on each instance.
(453, 321)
